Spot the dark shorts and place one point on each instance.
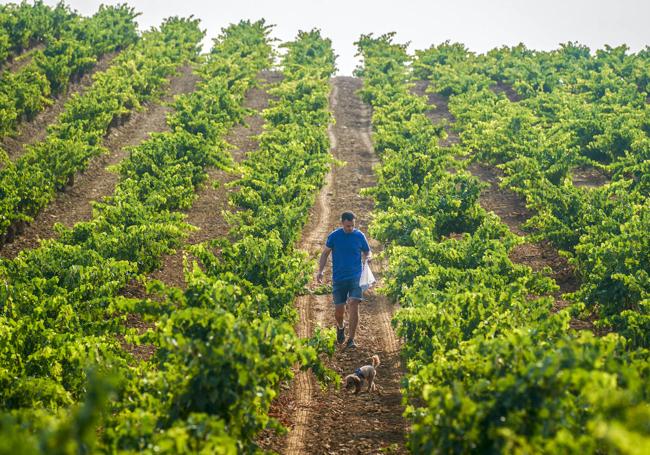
(344, 289)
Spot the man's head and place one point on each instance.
(347, 222)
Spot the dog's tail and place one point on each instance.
(375, 361)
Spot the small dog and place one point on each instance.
(365, 373)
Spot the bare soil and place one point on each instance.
(74, 204)
(506, 204)
(507, 90)
(35, 130)
(335, 421)
(589, 177)
(439, 111)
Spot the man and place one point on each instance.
(349, 248)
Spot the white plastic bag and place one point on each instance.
(367, 278)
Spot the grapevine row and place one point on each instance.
(220, 324)
(80, 43)
(577, 111)
(491, 369)
(31, 182)
(24, 25)
(235, 316)
(58, 319)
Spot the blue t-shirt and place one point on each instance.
(346, 253)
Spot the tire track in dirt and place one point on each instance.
(312, 242)
(333, 421)
(206, 211)
(74, 204)
(35, 130)
(511, 209)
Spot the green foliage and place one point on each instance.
(279, 181)
(73, 46)
(615, 260)
(58, 314)
(525, 392)
(32, 431)
(23, 25)
(382, 67)
(234, 317)
(224, 344)
(492, 368)
(579, 110)
(136, 76)
(309, 56)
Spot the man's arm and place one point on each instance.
(322, 263)
(367, 255)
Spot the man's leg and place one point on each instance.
(339, 296)
(353, 308)
(339, 312)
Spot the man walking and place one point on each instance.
(349, 248)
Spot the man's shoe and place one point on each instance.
(351, 344)
(340, 335)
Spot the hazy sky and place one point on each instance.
(481, 25)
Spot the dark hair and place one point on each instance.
(347, 216)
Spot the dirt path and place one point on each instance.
(35, 130)
(511, 209)
(334, 421)
(206, 212)
(74, 204)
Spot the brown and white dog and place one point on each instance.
(365, 373)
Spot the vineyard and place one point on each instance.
(162, 209)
